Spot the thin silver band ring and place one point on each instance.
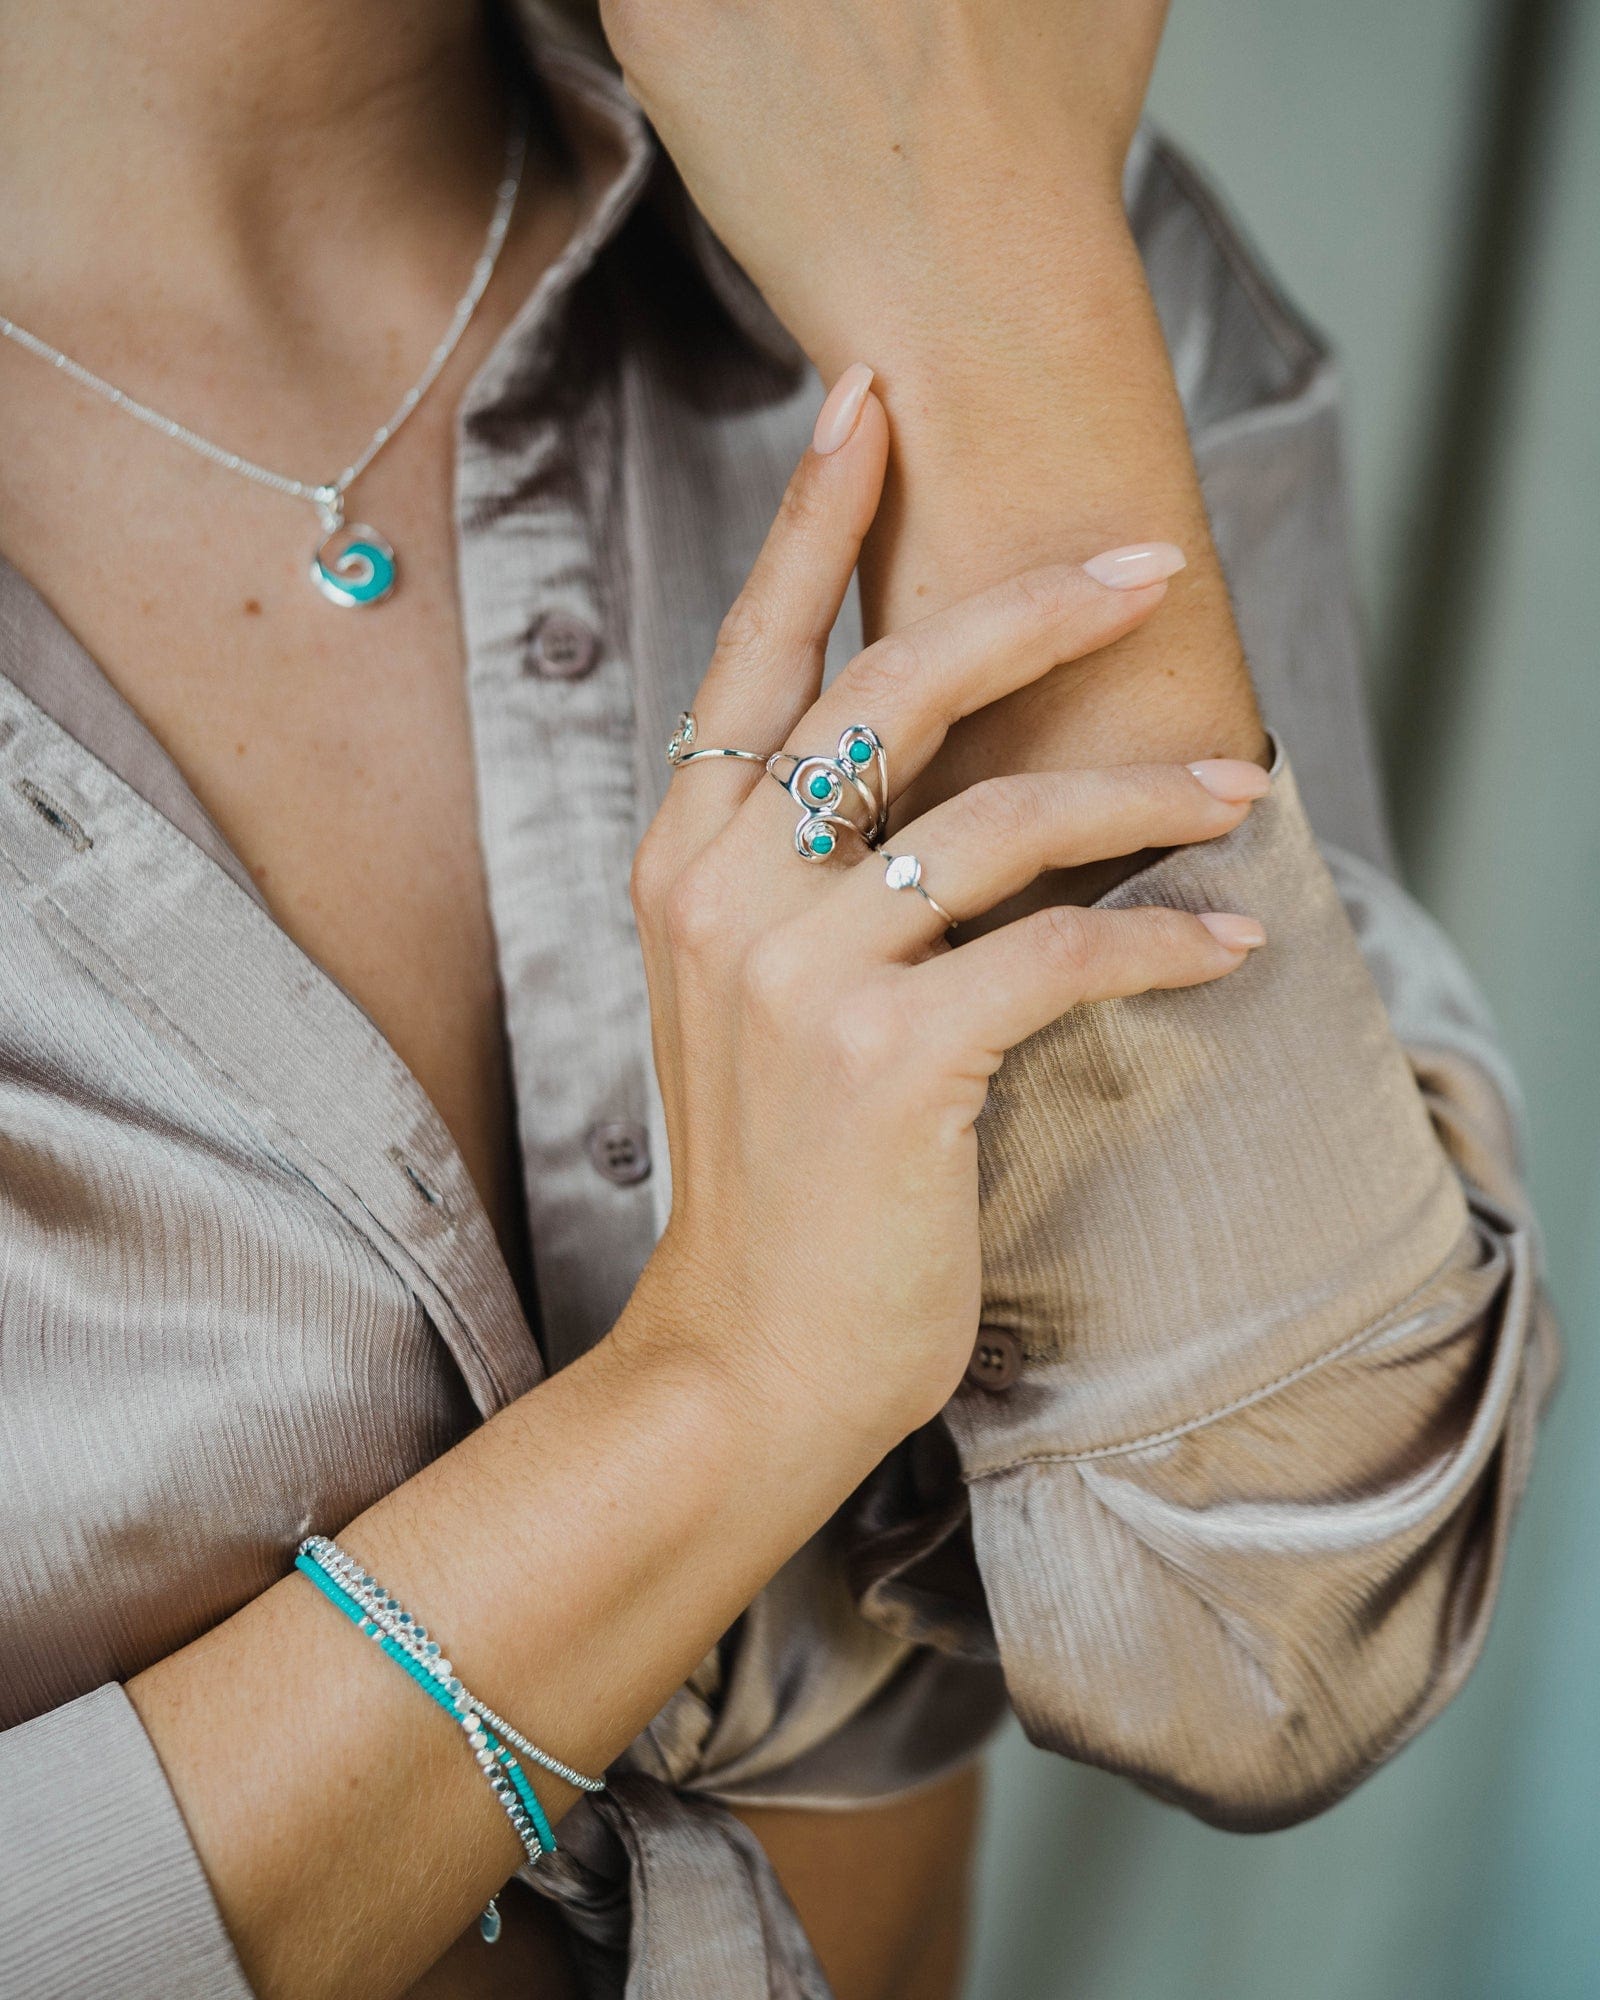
(681, 751)
(904, 871)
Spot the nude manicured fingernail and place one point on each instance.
(1139, 562)
(840, 414)
(1237, 933)
(1231, 779)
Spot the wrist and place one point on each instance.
(756, 1379)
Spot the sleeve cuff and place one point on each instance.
(102, 1891)
(1190, 1197)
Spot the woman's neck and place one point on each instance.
(197, 150)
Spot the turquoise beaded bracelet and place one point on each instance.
(380, 1617)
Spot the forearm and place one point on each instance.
(1036, 417)
(577, 1559)
(935, 190)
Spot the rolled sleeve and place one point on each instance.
(1186, 1196)
(101, 1891)
(1240, 1520)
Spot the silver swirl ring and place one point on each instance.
(904, 871)
(820, 785)
(681, 750)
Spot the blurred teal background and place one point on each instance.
(1425, 177)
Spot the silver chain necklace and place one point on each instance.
(352, 564)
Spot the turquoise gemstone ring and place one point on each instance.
(823, 787)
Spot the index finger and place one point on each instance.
(767, 667)
(912, 686)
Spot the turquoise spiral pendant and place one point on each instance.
(354, 566)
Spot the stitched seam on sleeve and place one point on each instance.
(1371, 1331)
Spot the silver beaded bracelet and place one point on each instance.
(388, 1615)
(492, 1740)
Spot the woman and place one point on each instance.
(326, 1118)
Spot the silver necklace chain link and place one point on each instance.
(327, 496)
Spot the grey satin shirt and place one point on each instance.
(1235, 1528)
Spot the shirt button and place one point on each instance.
(620, 1151)
(996, 1360)
(564, 648)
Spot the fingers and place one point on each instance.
(914, 684)
(995, 837)
(1000, 989)
(768, 662)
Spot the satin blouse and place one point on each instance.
(1224, 1501)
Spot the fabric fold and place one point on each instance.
(668, 1895)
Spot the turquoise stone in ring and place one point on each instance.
(355, 566)
(822, 784)
(862, 755)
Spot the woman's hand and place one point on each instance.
(850, 153)
(823, 1054)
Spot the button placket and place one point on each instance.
(552, 704)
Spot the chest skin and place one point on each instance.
(331, 746)
(333, 749)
